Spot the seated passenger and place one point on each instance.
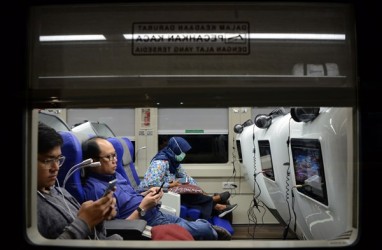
(60, 216)
(130, 204)
(165, 167)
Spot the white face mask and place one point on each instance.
(180, 157)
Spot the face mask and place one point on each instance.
(180, 157)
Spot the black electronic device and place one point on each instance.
(266, 159)
(160, 188)
(110, 187)
(309, 168)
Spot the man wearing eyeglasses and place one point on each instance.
(59, 214)
(130, 204)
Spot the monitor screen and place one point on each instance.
(238, 146)
(266, 159)
(309, 168)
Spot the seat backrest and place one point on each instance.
(126, 160)
(125, 165)
(72, 150)
(128, 163)
(120, 150)
(170, 201)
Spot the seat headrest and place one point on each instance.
(127, 161)
(127, 158)
(72, 151)
(119, 149)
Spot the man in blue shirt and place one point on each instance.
(130, 204)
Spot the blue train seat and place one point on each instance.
(72, 151)
(182, 210)
(125, 165)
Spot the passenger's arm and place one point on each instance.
(94, 212)
(149, 201)
(182, 173)
(78, 229)
(89, 215)
(157, 172)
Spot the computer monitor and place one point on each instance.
(309, 168)
(266, 159)
(238, 146)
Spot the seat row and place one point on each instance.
(72, 150)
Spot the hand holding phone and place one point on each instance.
(110, 187)
(160, 188)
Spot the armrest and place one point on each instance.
(128, 229)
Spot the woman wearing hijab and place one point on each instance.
(165, 167)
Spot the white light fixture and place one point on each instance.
(72, 38)
(297, 36)
(190, 36)
(253, 36)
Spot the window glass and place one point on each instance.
(120, 121)
(206, 129)
(205, 148)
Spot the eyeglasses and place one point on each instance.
(109, 157)
(48, 163)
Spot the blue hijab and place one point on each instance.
(175, 146)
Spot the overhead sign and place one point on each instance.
(194, 131)
(219, 38)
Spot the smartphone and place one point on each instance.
(160, 188)
(110, 187)
(183, 180)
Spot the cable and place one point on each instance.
(294, 213)
(234, 161)
(67, 210)
(287, 189)
(255, 203)
(256, 184)
(59, 207)
(63, 198)
(292, 190)
(253, 218)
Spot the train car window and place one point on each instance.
(120, 121)
(151, 71)
(112, 53)
(205, 129)
(193, 120)
(205, 148)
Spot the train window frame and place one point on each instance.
(204, 91)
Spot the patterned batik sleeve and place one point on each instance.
(182, 173)
(155, 175)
